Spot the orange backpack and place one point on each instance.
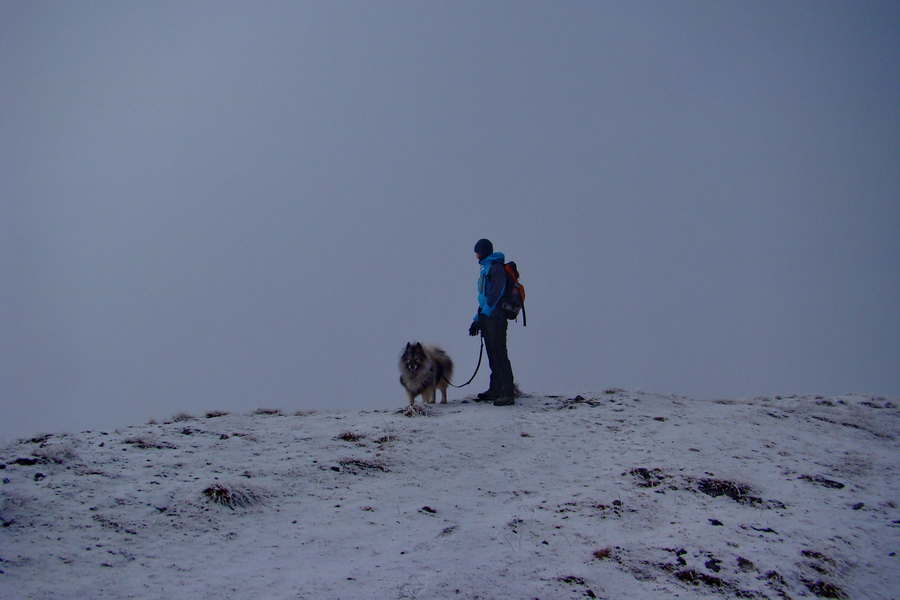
(513, 300)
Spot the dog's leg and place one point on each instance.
(412, 398)
(444, 394)
(428, 395)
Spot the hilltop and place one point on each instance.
(617, 495)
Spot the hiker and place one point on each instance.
(492, 324)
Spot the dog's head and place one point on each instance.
(414, 357)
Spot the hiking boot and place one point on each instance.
(487, 396)
(504, 401)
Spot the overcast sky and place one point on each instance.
(234, 205)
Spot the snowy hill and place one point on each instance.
(617, 495)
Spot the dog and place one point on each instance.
(425, 370)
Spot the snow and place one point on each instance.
(590, 496)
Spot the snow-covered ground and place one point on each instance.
(617, 495)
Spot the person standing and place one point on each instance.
(492, 324)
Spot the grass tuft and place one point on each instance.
(234, 496)
(268, 411)
(823, 589)
(416, 410)
(59, 455)
(148, 442)
(603, 553)
(738, 492)
(349, 436)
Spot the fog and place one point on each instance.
(234, 205)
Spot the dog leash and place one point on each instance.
(478, 366)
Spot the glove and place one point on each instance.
(474, 328)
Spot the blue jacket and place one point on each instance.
(491, 283)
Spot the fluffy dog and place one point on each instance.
(425, 370)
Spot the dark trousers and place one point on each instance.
(493, 329)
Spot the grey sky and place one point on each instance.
(229, 205)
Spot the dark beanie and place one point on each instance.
(484, 247)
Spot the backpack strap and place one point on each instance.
(502, 290)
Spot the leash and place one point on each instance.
(478, 366)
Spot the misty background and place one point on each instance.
(233, 205)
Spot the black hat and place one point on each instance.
(484, 247)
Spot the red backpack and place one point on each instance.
(513, 300)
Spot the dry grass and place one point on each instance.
(738, 492)
(416, 410)
(59, 454)
(268, 411)
(824, 589)
(148, 442)
(603, 553)
(234, 496)
(349, 436)
(359, 466)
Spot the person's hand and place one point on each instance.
(474, 328)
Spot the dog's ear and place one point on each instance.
(418, 345)
(408, 345)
